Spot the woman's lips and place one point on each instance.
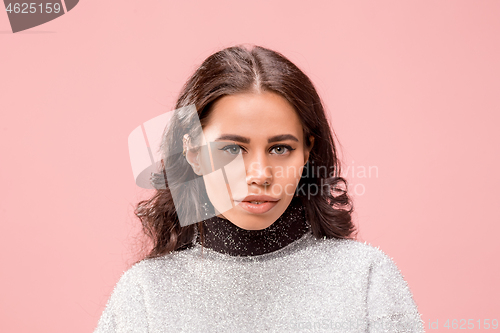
(257, 197)
(260, 208)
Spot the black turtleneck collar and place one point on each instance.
(223, 236)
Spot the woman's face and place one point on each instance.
(264, 132)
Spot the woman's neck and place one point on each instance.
(223, 236)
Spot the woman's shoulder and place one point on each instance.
(388, 293)
(147, 270)
(344, 252)
(349, 256)
(353, 249)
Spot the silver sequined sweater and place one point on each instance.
(310, 285)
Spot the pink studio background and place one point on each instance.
(411, 88)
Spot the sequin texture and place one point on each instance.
(308, 285)
(224, 236)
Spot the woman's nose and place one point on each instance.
(259, 173)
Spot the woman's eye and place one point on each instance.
(282, 149)
(232, 149)
(278, 150)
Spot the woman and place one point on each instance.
(251, 223)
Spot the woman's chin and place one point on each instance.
(254, 226)
(247, 221)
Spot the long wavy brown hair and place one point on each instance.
(233, 70)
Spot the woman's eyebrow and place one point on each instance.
(282, 137)
(239, 138)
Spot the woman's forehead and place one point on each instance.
(255, 114)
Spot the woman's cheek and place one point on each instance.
(214, 182)
(226, 184)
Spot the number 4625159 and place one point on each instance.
(23, 8)
(470, 324)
